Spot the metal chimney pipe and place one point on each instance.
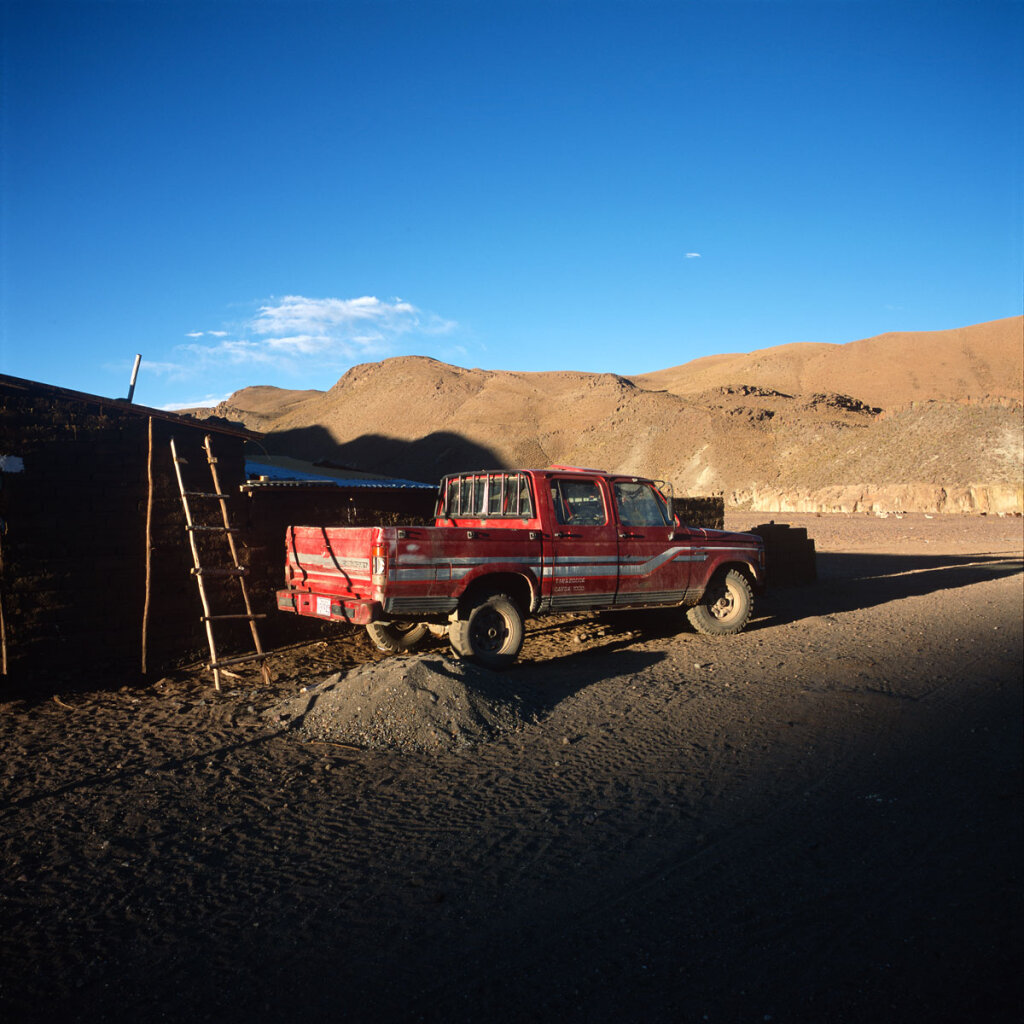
(135, 373)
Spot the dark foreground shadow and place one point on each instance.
(852, 582)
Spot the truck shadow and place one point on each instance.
(853, 582)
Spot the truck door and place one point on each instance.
(584, 556)
(654, 566)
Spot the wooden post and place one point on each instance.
(149, 546)
(3, 626)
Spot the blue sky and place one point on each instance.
(268, 193)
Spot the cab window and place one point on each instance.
(486, 496)
(578, 503)
(638, 505)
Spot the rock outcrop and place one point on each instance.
(1000, 499)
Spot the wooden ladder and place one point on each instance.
(202, 573)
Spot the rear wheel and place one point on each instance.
(491, 633)
(725, 607)
(395, 637)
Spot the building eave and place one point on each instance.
(18, 385)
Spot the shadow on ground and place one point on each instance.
(852, 582)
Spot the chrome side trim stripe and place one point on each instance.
(407, 559)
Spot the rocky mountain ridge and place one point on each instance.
(797, 428)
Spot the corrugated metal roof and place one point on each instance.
(285, 473)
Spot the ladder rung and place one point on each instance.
(207, 494)
(200, 571)
(212, 618)
(238, 661)
(213, 529)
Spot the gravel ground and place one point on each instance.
(817, 820)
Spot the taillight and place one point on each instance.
(379, 563)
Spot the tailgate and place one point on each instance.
(331, 559)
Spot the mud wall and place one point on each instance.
(74, 538)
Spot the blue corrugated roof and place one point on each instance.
(281, 475)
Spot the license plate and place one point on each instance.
(323, 606)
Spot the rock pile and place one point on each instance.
(435, 705)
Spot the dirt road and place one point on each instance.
(818, 820)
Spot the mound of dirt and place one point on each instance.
(434, 705)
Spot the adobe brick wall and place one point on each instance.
(706, 512)
(72, 582)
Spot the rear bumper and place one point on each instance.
(328, 606)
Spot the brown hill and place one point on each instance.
(887, 370)
(257, 407)
(785, 432)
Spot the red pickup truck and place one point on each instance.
(508, 545)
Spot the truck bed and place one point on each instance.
(383, 571)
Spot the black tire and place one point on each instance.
(490, 634)
(395, 637)
(725, 607)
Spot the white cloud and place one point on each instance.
(343, 324)
(200, 403)
(693, 256)
(296, 333)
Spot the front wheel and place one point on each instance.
(491, 634)
(725, 607)
(395, 637)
